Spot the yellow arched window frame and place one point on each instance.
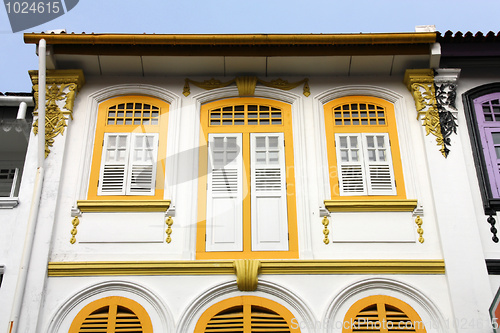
(247, 314)
(381, 313)
(128, 160)
(112, 314)
(363, 149)
(261, 129)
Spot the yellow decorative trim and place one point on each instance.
(60, 85)
(325, 230)
(420, 82)
(100, 206)
(207, 85)
(247, 271)
(285, 85)
(169, 223)
(246, 85)
(420, 231)
(227, 267)
(388, 205)
(75, 224)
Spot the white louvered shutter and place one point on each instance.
(378, 164)
(224, 193)
(142, 164)
(114, 164)
(351, 169)
(268, 188)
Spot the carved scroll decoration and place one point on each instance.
(491, 221)
(247, 271)
(246, 85)
(446, 93)
(61, 87)
(420, 231)
(326, 232)
(421, 85)
(74, 231)
(169, 223)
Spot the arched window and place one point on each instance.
(363, 148)
(129, 149)
(380, 313)
(246, 180)
(247, 314)
(112, 315)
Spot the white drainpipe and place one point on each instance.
(37, 193)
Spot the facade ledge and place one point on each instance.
(384, 205)
(229, 267)
(100, 206)
(9, 203)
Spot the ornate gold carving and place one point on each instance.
(169, 223)
(246, 85)
(285, 85)
(60, 85)
(225, 267)
(247, 271)
(420, 82)
(207, 85)
(75, 224)
(326, 232)
(420, 231)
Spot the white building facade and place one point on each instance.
(246, 183)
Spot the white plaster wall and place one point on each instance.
(310, 161)
(179, 301)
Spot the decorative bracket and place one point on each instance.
(491, 220)
(61, 89)
(246, 85)
(434, 97)
(247, 271)
(169, 222)
(445, 83)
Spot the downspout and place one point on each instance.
(37, 192)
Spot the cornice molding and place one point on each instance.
(227, 267)
(101, 206)
(388, 205)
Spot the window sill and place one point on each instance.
(99, 206)
(9, 202)
(383, 205)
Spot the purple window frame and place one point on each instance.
(486, 129)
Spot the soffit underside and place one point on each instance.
(153, 65)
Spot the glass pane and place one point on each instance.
(128, 121)
(380, 142)
(260, 142)
(110, 155)
(273, 157)
(354, 141)
(370, 142)
(138, 155)
(371, 155)
(218, 159)
(138, 142)
(219, 143)
(231, 156)
(129, 113)
(150, 141)
(381, 155)
(343, 142)
(120, 155)
(122, 141)
(231, 144)
(260, 157)
(344, 155)
(354, 155)
(496, 138)
(273, 142)
(497, 151)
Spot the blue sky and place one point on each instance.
(240, 16)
